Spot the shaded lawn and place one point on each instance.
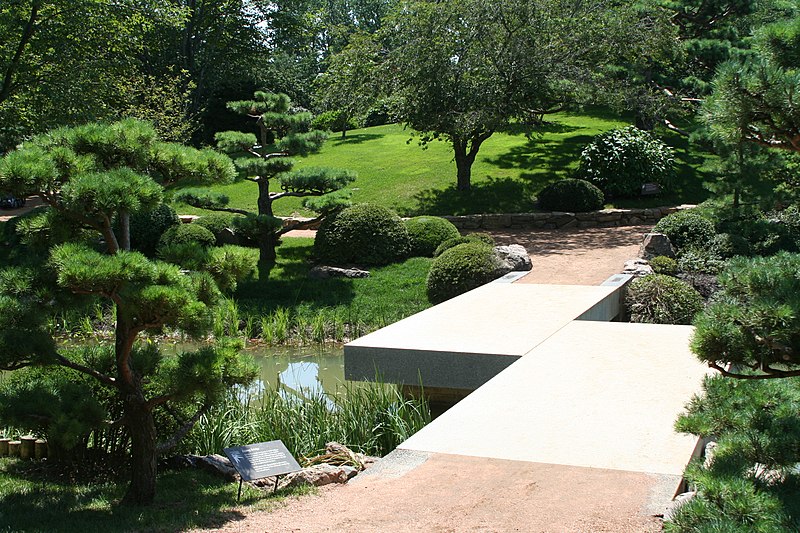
(35, 499)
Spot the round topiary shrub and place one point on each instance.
(427, 233)
(217, 223)
(686, 229)
(620, 161)
(187, 234)
(147, 227)
(661, 299)
(485, 238)
(363, 234)
(573, 195)
(664, 265)
(461, 269)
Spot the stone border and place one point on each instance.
(547, 220)
(562, 220)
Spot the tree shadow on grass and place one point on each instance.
(493, 195)
(185, 500)
(357, 138)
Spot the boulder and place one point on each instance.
(637, 268)
(325, 272)
(679, 501)
(216, 464)
(318, 475)
(512, 258)
(654, 245)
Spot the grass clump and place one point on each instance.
(661, 299)
(369, 418)
(427, 233)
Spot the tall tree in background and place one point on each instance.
(92, 178)
(66, 61)
(466, 69)
(347, 86)
(282, 133)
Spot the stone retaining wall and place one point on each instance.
(557, 220)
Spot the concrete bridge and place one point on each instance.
(554, 396)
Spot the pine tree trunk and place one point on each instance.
(142, 431)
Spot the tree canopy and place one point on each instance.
(466, 69)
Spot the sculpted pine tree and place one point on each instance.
(282, 133)
(92, 178)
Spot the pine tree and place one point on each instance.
(282, 133)
(92, 178)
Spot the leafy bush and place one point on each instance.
(697, 260)
(427, 233)
(661, 299)
(187, 233)
(217, 223)
(333, 121)
(472, 237)
(727, 245)
(363, 234)
(664, 265)
(147, 227)
(619, 161)
(461, 269)
(686, 229)
(573, 195)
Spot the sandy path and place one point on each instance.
(576, 256)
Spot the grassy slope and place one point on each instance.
(508, 172)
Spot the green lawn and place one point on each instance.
(36, 499)
(391, 293)
(393, 170)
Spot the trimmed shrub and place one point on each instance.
(485, 238)
(573, 195)
(147, 227)
(686, 229)
(217, 223)
(664, 265)
(363, 234)
(185, 234)
(427, 233)
(229, 265)
(461, 269)
(619, 161)
(661, 299)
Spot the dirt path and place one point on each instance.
(576, 256)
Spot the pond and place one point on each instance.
(298, 370)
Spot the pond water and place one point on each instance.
(302, 371)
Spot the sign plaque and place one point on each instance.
(265, 459)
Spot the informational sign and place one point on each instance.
(265, 459)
